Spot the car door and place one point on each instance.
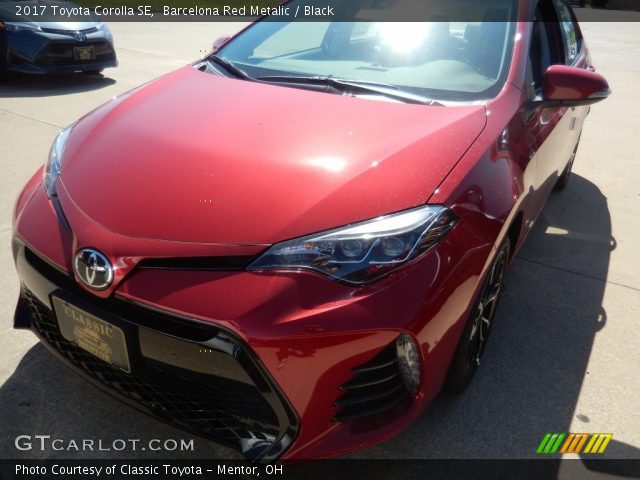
(548, 127)
(576, 55)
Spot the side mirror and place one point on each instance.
(572, 87)
(220, 41)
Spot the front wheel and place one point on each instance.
(476, 332)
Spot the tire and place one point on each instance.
(476, 332)
(565, 176)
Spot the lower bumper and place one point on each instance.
(50, 53)
(229, 398)
(34, 68)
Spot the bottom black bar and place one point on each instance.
(321, 470)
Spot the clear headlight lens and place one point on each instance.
(364, 252)
(102, 27)
(17, 27)
(54, 163)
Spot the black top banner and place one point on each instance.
(286, 11)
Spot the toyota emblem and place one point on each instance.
(93, 269)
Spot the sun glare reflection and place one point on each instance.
(331, 164)
(404, 37)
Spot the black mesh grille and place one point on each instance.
(62, 53)
(228, 412)
(197, 263)
(376, 387)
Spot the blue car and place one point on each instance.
(29, 46)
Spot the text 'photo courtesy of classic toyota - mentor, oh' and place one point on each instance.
(327, 210)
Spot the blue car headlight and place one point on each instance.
(19, 27)
(102, 27)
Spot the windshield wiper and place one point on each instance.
(389, 91)
(229, 66)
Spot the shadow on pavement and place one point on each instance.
(617, 468)
(26, 86)
(43, 397)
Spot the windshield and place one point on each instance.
(439, 59)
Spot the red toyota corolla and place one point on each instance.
(291, 245)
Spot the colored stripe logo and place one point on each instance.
(574, 443)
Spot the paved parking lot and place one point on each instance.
(564, 353)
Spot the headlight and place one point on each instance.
(102, 27)
(364, 252)
(54, 163)
(17, 27)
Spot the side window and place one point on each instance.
(547, 46)
(569, 32)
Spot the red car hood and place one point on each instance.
(195, 157)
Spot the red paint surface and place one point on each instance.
(197, 165)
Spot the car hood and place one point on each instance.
(196, 157)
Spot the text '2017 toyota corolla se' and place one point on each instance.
(293, 244)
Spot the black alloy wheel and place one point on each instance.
(474, 337)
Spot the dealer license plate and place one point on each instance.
(84, 53)
(101, 339)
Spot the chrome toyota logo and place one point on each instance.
(81, 37)
(93, 269)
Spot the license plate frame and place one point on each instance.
(93, 334)
(84, 54)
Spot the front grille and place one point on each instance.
(237, 262)
(376, 387)
(61, 53)
(68, 32)
(223, 410)
(141, 316)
